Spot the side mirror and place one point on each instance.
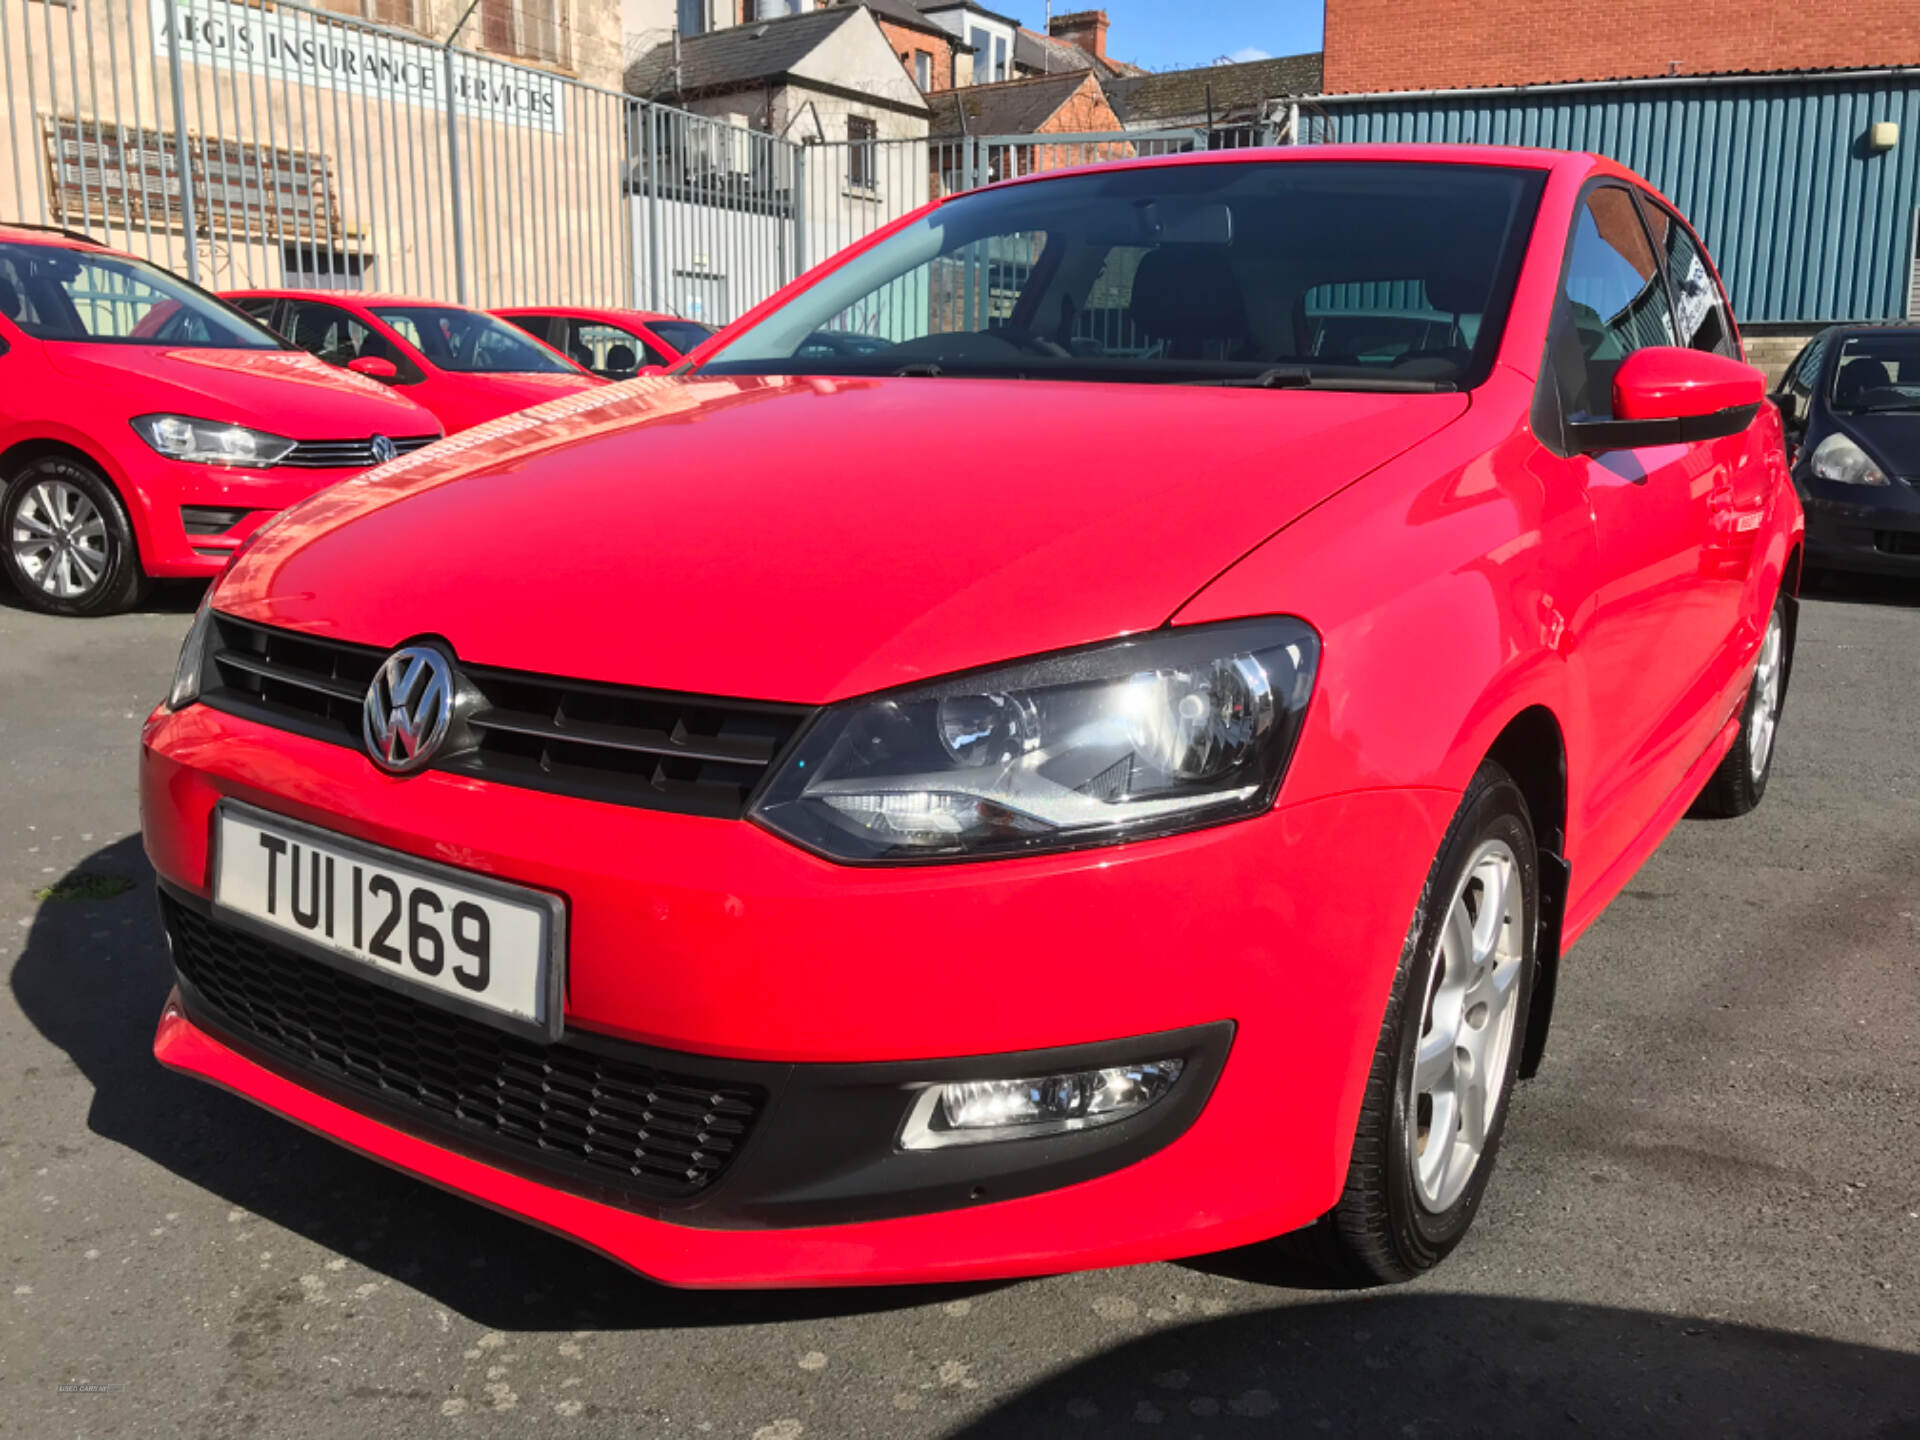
(650, 370)
(375, 368)
(1665, 395)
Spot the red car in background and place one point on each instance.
(613, 344)
(146, 429)
(464, 365)
(1150, 829)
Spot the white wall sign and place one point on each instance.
(294, 46)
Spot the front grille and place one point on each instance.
(348, 454)
(693, 754)
(556, 1109)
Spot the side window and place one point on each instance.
(260, 307)
(1614, 302)
(1796, 387)
(605, 349)
(1702, 308)
(545, 328)
(15, 301)
(339, 337)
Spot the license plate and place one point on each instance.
(458, 940)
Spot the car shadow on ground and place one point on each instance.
(1861, 589)
(1422, 1363)
(166, 597)
(92, 979)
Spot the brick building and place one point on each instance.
(1388, 45)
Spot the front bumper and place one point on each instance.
(844, 988)
(1863, 531)
(173, 505)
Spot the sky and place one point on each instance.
(1175, 34)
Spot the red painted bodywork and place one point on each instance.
(1459, 572)
(458, 399)
(1661, 383)
(637, 323)
(82, 396)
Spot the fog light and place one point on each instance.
(970, 1112)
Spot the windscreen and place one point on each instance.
(1877, 372)
(682, 335)
(54, 293)
(1304, 271)
(469, 342)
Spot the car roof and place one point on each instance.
(15, 233)
(343, 297)
(1869, 327)
(1580, 163)
(588, 312)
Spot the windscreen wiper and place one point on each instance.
(1299, 377)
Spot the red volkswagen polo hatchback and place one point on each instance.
(466, 366)
(1152, 828)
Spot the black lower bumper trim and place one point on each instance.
(821, 1148)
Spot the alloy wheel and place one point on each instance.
(1768, 674)
(60, 540)
(1466, 1030)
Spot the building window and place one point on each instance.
(693, 17)
(923, 69)
(316, 267)
(527, 30)
(381, 12)
(861, 135)
(999, 59)
(982, 44)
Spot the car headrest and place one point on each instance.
(1188, 293)
(1857, 377)
(10, 305)
(1457, 292)
(621, 357)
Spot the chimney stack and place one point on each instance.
(1084, 28)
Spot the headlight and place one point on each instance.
(1161, 732)
(1838, 459)
(186, 674)
(207, 442)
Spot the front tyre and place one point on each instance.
(69, 546)
(1443, 1072)
(1740, 782)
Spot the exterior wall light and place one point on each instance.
(1882, 135)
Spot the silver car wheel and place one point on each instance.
(1768, 677)
(1466, 1030)
(60, 540)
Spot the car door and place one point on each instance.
(1650, 632)
(338, 336)
(452, 398)
(1744, 476)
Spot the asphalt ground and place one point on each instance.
(1706, 1219)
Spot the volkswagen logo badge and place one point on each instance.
(382, 448)
(409, 709)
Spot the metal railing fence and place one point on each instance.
(246, 145)
(253, 145)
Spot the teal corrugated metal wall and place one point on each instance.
(1803, 221)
